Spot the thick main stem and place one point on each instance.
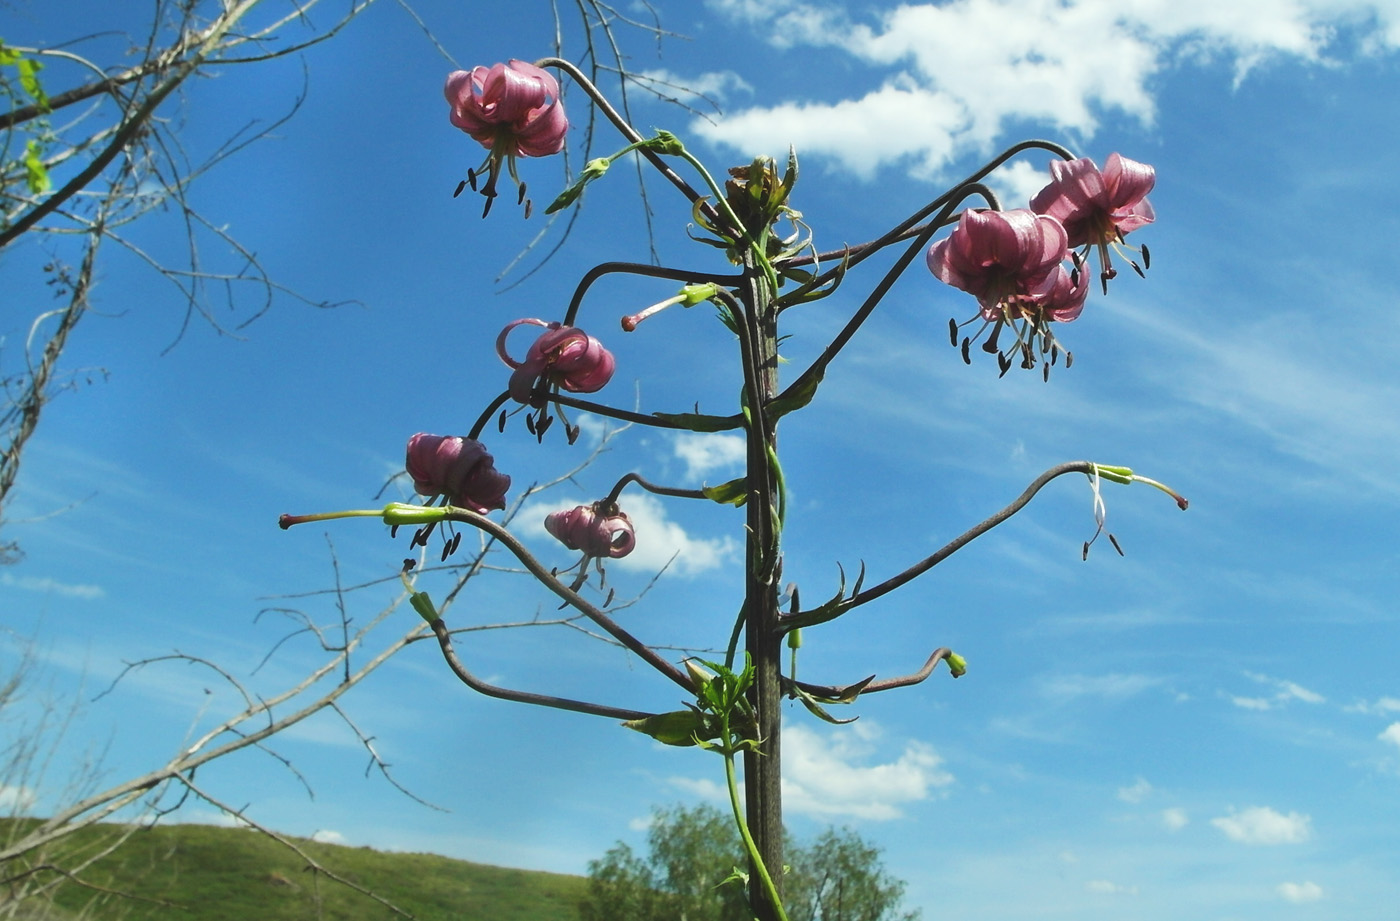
(763, 768)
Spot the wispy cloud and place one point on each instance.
(1136, 793)
(1298, 893)
(1175, 819)
(1285, 692)
(954, 75)
(1110, 687)
(49, 586)
(1391, 734)
(1105, 887)
(1262, 825)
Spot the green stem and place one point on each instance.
(754, 858)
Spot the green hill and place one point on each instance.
(207, 873)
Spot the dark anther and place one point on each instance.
(1069, 359)
(530, 423)
(1146, 257)
(529, 209)
(409, 564)
(501, 422)
(1114, 541)
(1045, 371)
(1004, 363)
(1104, 278)
(471, 177)
(460, 186)
(487, 210)
(1075, 258)
(572, 432)
(1086, 551)
(607, 601)
(1137, 268)
(420, 537)
(393, 532)
(953, 331)
(967, 359)
(554, 571)
(1054, 352)
(456, 541)
(1074, 277)
(520, 199)
(1027, 356)
(545, 423)
(990, 346)
(446, 550)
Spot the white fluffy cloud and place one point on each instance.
(17, 799)
(1262, 825)
(705, 454)
(825, 774)
(1299, 893)
(1391, 734)
(953, 75)
(1175, 819)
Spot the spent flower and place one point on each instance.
(458, 468)
(513, 110)
(563, 355)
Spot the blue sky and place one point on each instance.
(1209, 725)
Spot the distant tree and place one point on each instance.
(689, 874)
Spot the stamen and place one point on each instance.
(408, 565)
(520, 197)
(1114, 541)
(990, 345)
(1004, 363)
(953, 331)
(393, 531)
(501, 422)
(967, 359)
(460, 186)
(1146, 257)
(1137, 268)
(471, 178)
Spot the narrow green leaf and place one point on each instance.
(734, 492)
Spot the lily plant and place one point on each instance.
(1027, 269)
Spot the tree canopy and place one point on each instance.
(689, 872)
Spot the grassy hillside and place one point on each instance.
(205, 873)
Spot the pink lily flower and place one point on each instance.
(1011, 261)
(999, 257)
(458, 468)
(564, 355)
(599, 530)
(513, 110)
(1099, 208)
